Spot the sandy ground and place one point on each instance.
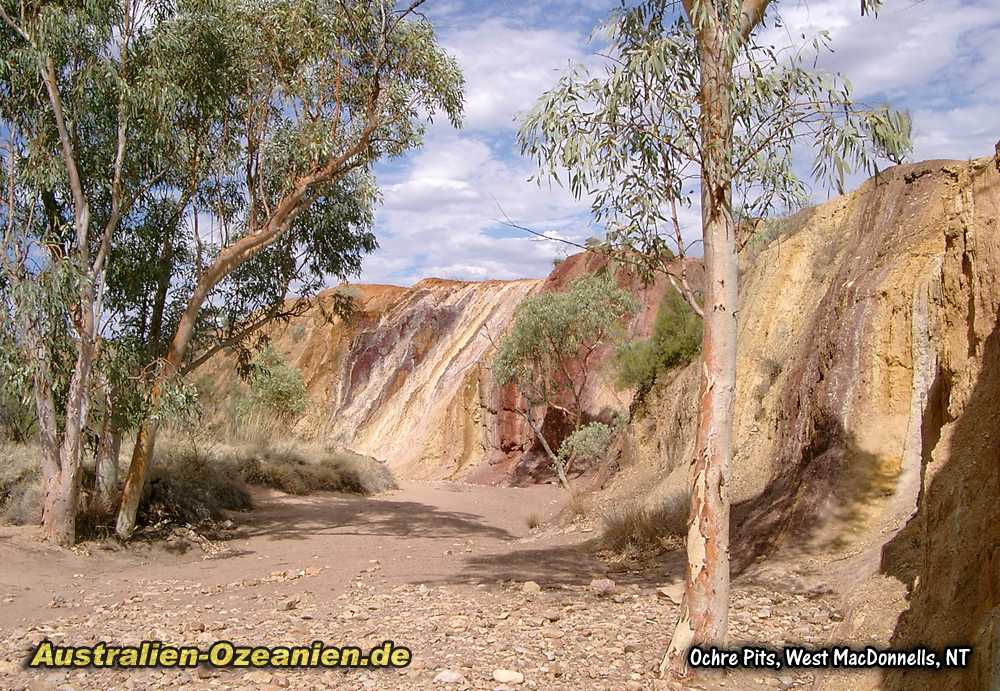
(441, 568)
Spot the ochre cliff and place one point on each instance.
(867, 418)
(868, 413)
(407, 378)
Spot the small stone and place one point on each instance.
(449, 676)
(291, 604)
(258, 677)
(552, 615)
(602, 587)
(531, 587)
(819, 617)
(507, 676)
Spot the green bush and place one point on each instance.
(676, 341)
(277, 391)
(586, 444)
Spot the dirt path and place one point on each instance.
(438, 567)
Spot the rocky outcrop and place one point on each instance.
(407, 378)
(867, 414)
(868, 404)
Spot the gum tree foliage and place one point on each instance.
(692, 100)
(325, 89)
(547, 354)
(77, 93)
(171, 169)
(675, 341)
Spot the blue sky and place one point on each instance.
(440, 215)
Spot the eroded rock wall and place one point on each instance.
(868, 409)
(407, 378)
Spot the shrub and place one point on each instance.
(186, 487)
(277, 391)
(21, 487)
(299, 469)
(586, 444)
(676, 340)
(636, 527)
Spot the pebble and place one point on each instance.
(508, 676)
(602, 587)
(449, 676)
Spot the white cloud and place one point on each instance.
(933, 57)
(440, 216)
(443, 215)
(507, 68)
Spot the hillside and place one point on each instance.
(866, 403)
(407, 378)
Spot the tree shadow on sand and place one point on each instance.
(304, 518)
(555, 565)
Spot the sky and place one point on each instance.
(444, 205)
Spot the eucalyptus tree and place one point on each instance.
(78, 94)
(325, 89)
(694, 102)
(548, 355)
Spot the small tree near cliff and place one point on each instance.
(548, 353)
(692, 101)
(675, 341)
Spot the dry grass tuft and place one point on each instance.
(21, 489)
(297, 468)
(189, 484)
(580, 503)
(637, 529)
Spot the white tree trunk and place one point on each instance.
(704, 618)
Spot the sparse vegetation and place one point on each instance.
(637, 529)
(277, 393)
(189, 485)
(676, 340)
(579, 503)
(533, 521)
